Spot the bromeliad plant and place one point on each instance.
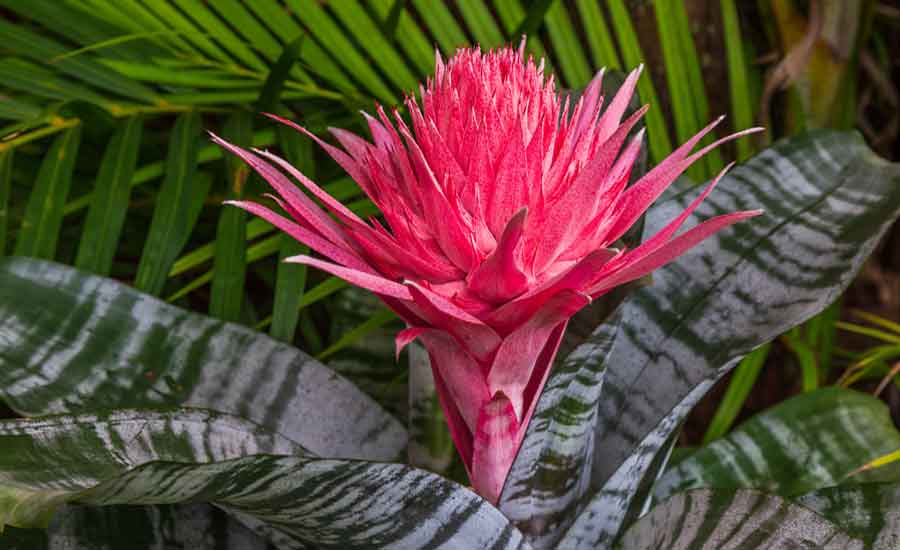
(504, 211)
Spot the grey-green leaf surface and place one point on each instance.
(552, 469)
(729, 520)
(193, 526)
(827, 200)
(95, 343)
(188, 456)
(814, 440)
(868, 511)
(46, 461)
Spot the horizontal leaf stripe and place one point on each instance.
(96, 343)
(676, 323)
(740, 520)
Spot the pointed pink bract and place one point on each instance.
(503, 204)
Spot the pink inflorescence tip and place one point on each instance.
(502, 205)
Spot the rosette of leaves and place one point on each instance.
(130, 401)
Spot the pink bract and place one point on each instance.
(503, 204)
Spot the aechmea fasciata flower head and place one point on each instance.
(502, 205)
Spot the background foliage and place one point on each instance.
(104, 164)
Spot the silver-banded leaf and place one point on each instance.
(47, 461)
(729, 520)
(179, 526)
(73, 342)
(815, 440)
(325, 504)
(189, 456)
(868, 511)
(554, 464)
(827, 200)
(552, 468)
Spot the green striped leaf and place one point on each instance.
(194, 526)
(869, 511)
(362, 348)
(47, 461)
(103, 224)
(553, 465)
(729, 520)
(827, 200)
(822, 194)
(95, 343)
(44, 214)
(169, 227)
(194, 456)
(815, 440)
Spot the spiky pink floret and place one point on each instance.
(503, 204)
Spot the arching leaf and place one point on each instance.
(73, 342)
(869, 511)
(815, 440)
(827, 200)
(728, 520)
(190, 456)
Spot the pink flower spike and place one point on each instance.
(499, 278)
(405, 337)
(495, 447)
(376, 284)
(502, 205)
